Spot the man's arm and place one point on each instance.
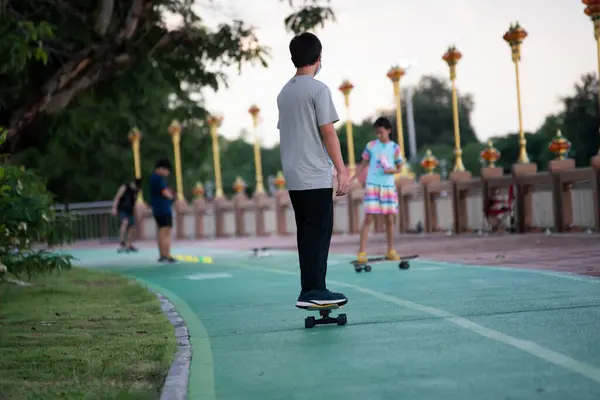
(117, 198)
(332, 144)
(326, 117)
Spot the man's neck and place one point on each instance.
(304, 71)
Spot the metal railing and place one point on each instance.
(91, 221)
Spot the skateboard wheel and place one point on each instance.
(342, 320)
(368, 268)
(403, 265)
(309, 322)
(358, 269)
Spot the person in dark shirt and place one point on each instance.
(124, 206)
(161, 199)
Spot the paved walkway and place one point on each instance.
(447, 328)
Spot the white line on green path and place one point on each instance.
(527, 346)
(201, 384)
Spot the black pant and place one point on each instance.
(313, 210)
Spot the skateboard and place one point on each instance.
(126, 250)
(358, 267)
(324, 311)
(260, 252)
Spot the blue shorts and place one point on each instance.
(128, 216)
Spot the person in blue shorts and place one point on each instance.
(161, 200)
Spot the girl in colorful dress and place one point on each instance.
(383, 158)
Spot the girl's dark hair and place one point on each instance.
(385, 123)
(382, 122)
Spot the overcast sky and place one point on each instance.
(369, 36)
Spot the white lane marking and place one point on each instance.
(203, 276)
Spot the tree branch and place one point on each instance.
(104, 16)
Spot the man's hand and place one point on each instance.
(343, 183)
(390, 170)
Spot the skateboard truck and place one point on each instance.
(403, 264)
(326, 319)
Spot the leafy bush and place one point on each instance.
(27, 221)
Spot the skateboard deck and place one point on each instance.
(259, 252)
(403, 262)
(324, 310)
(121, 250)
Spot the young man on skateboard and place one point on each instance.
(124, 206)
(161, 198)
(310, 150)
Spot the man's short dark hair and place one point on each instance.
(382, 122)
(163, 163)
(305, 49)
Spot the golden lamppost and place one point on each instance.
(592, 10)
(429, 162)
(395, 74)
(490, 155)
(135, 136)
(560, 146)
(451, 57)
(214, 122)
(254, 111)
(346, 87)
(515, 36)
(175, 132)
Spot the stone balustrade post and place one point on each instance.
(429, 205)
(221, 206)
(282, 204)
(200, 208)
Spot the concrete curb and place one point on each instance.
(176, 383)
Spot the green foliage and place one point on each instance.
(26, 220)
(144, 80)
(22, 42)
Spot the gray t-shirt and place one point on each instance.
(305, 104)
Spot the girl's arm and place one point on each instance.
(359, 169)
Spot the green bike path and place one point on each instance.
(435, 331)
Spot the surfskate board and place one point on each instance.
(259, 252)
(404, 262)
(126, 250)
(324, 311)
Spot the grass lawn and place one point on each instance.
(82, 334)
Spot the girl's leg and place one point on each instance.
(371, 206)
(389, 211)
(389, 230)
(364, 232)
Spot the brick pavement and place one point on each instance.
(575, 253)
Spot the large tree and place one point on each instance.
(54, 50)
(75, 77)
